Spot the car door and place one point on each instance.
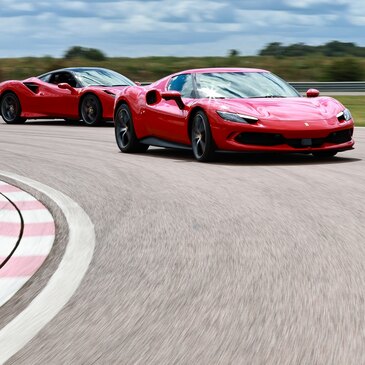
(165, 120)
(57, 102)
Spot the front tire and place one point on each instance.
(201, 138)
(324, 154)
(11, 109)
(125, 135)
(91, 110)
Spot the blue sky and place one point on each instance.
(174, 27)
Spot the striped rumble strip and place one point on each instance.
(27, 232)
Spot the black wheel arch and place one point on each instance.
(118, 104)
(7, 91)
(10, 91)
(191, 117)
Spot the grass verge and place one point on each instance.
(356, 104)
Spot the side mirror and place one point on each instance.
(137, 83)
(66, 86)
(312, 93)
(173, 95)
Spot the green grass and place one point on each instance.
(307, 68)
(356, 105)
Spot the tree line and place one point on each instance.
(340, 62)
(330, 49)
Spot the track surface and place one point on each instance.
(250, 260)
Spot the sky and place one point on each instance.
(140, 28)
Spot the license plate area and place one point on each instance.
(306, 142)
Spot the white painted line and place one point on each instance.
(11, 286)
(19, 196)
(9, 216)
(65, 280)
(36, 216)
(30, 246)
(7, 245)
(29, 216)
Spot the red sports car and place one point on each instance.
(86, 93)
(230, 109)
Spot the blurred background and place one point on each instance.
(308, 40)
(320, 40)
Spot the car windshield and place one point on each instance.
(102, 77)
(231, 85)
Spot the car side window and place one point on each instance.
(45, 78)
(63, 77)
(183, 84)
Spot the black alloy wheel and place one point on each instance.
(11, 109)
(201, 138)
(91, 111)
(125, 136)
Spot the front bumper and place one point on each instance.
(283, 137)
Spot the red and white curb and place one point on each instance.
(27, 232)
(63, 282)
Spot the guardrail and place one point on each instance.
(336, 87)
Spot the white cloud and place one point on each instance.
(74, 5)
(356, 14)
(13, 26)
(309, 3)
(172, 27)
(17, 6)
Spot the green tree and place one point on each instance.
(297, 50)
(272, 49)
(233, 53)
(83, 52)
(347, 69)
(330, 49)
(336, 49)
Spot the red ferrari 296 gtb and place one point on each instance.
(86, 93)
(230, 109)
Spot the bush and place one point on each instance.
(82, 52)
(347, 69)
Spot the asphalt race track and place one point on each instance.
(249, 260)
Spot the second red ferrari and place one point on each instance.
(85, 93)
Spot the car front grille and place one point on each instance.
(275, 139)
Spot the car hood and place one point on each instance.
(283, 109)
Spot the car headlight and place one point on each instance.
(236, 117)
(344, 115)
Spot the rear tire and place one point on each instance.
(91, 110)
(201, 138)
(11, 109)
(125, 135)
(324, 154)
